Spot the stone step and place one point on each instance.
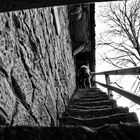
(99, 121)
(91, 107)
(83, 90)
(96, 103)
(123, 131)
(91, 93)
(92, 113)
(91, 96)
(89, 99)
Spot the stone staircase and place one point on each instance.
(90, 115)
(93, 108)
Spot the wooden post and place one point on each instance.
(107, 78)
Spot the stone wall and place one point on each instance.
(37, 74)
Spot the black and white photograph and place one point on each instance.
(69, 70)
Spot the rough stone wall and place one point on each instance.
(37, 74)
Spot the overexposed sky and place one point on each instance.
(127, 81)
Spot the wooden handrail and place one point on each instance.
(127, 94)
(127, 71)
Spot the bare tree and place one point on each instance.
(122, 37)
(123, 32)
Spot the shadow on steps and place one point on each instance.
(98, 121)
(107, 132)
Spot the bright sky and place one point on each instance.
(102, 66)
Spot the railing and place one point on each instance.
(129, 71)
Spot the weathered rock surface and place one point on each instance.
(36, 67)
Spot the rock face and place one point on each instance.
(37, 74)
